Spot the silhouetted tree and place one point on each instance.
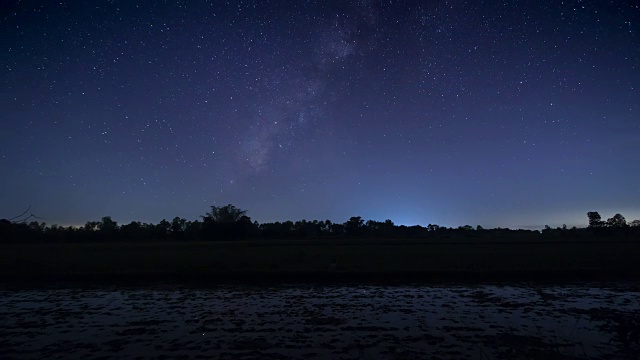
(37, 227)
(595, 220)
(354, 226)
(306, 229)
(337, 230)
(271, 230)
(245, 227)
(229, 222)
(162, 230)
(373, 228)
(178, 227)
(548, 231)
(107, 224)
(224, 214)
(325, 227)
(379, 229)
(107, 229)
(133, 231)
(226, 222)
(617, 221)
(55, 233)
(6, 230)
(193, 230)
(91, 226)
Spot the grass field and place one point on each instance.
(331, 259)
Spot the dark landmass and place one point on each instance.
(226, 246)
(344, 260)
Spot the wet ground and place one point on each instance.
(599, 321)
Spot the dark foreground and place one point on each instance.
(325, 261)
(520, 321)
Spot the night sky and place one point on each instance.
(497, 113)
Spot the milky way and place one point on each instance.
(447, 112)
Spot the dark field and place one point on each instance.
(324, 260)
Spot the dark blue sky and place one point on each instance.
(498, 113)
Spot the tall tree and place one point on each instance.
(226, 222)
(178, 226)
(163, 229)
(617, 221)
(107, 225)
(224, 214)
(354, 226)
(595, 220)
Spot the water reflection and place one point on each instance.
(349, 322)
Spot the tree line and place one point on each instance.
(230, 223)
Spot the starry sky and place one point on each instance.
(499, 113)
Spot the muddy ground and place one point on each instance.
(522, 321)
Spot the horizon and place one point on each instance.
(578, 224)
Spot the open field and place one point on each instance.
(332, 259)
